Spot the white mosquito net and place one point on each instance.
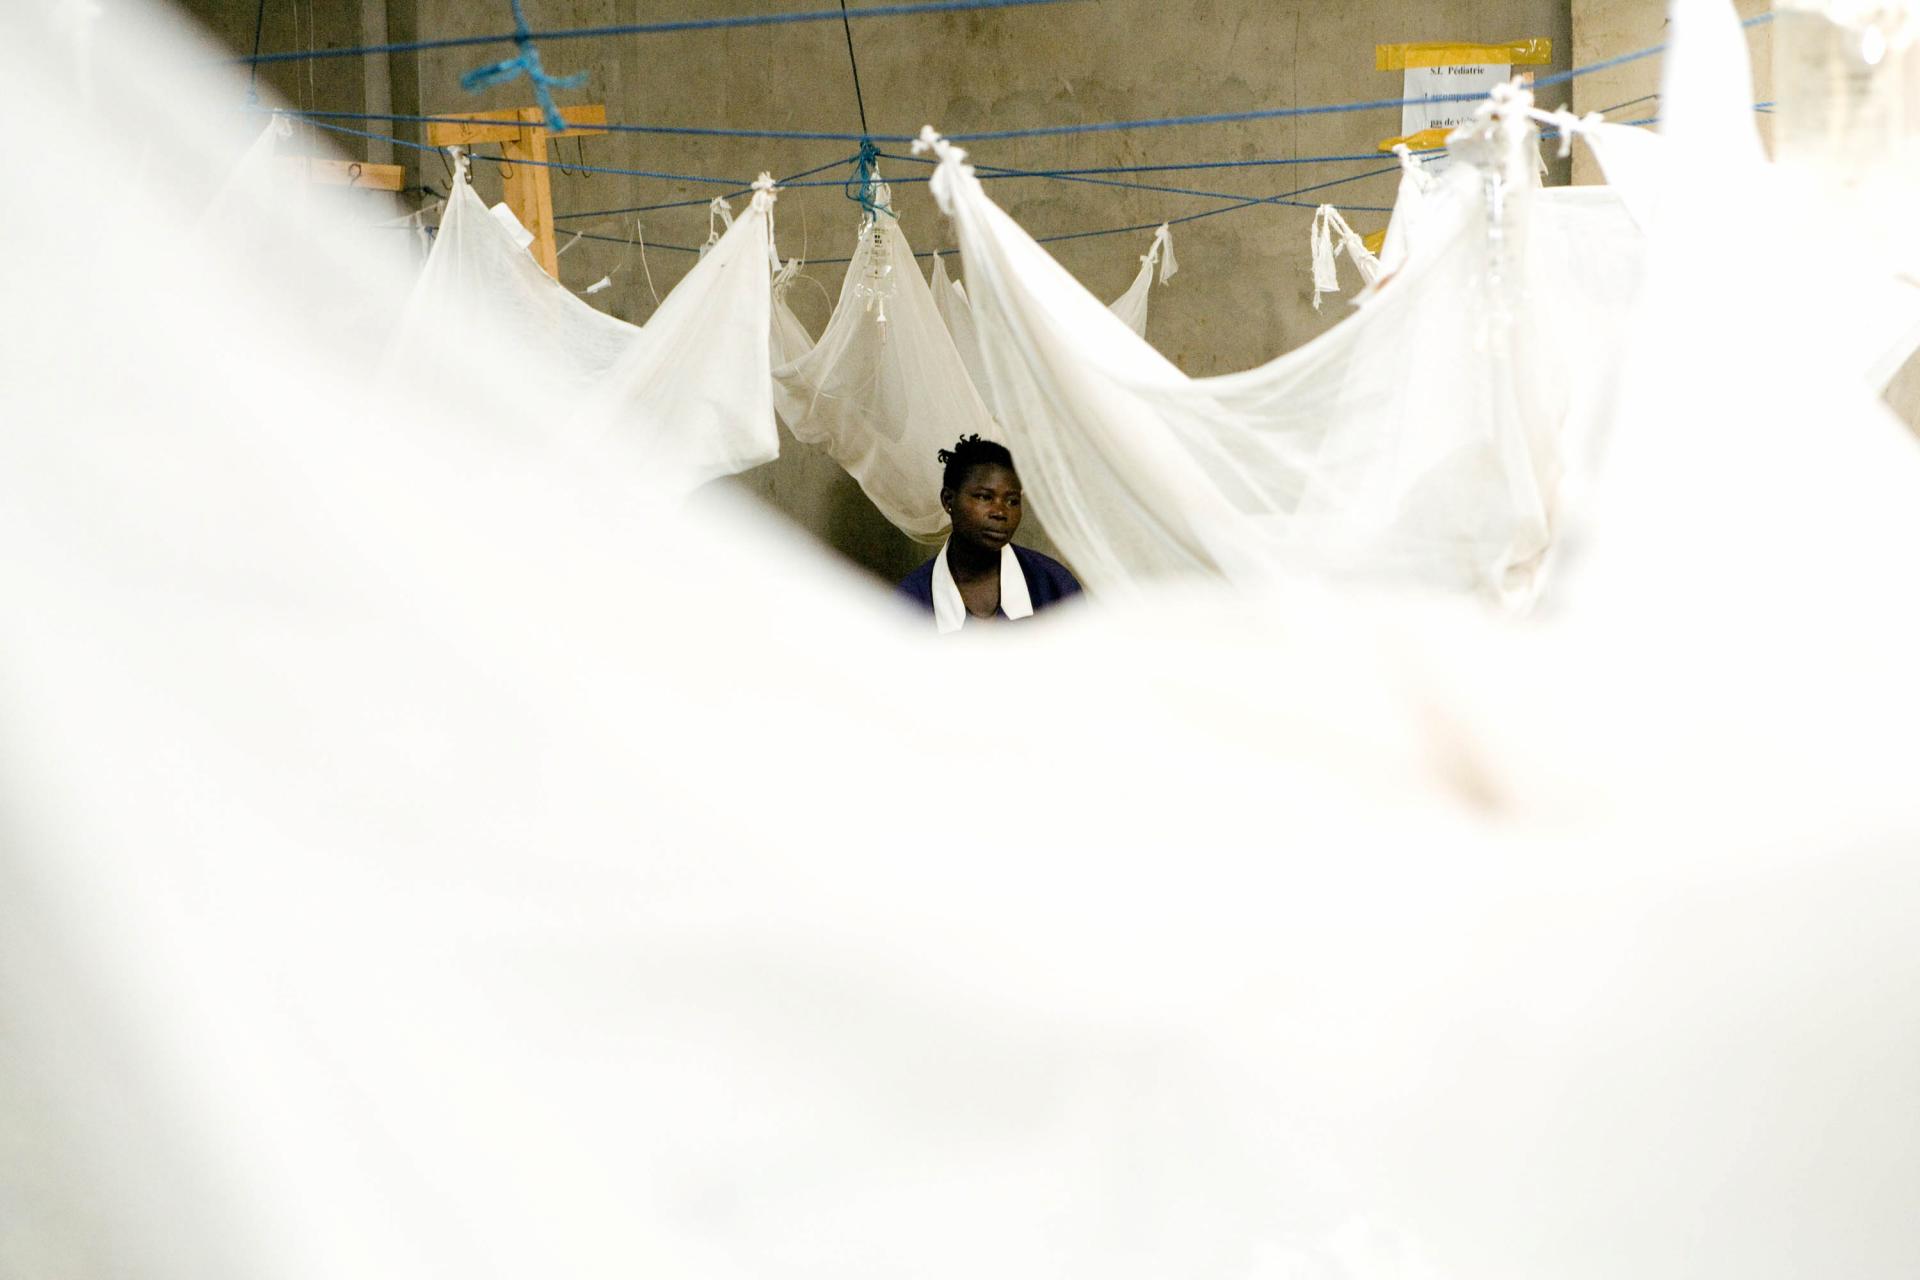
(1417, 441)
(950, 297)
(884, 389)
(790, 337)
(421, 854)
(950, 300)
(669, 396)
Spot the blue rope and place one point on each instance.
(549, 164)
(622, 173)
(1284, 199)
(990, 172)
(1373, 156)
(1560, 77)
(791, 135)
(651, 28)
(858, 186)
(253, 77)
(676, 248)
(798, 180)
(377, 137)
(1239, 203)
(782, 135)
(794, 181)
(526, 63)
(1281, 113)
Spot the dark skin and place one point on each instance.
(985, 511)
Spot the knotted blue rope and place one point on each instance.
(860, 184)
(528, 65)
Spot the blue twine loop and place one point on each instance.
(528, 65)
(860, 184)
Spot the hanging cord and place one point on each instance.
(626, 258)
(860, 102)
(526, 64)
(640, 234)
(253, 77)
(863, 164)
(689, 204)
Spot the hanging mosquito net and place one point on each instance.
(950, 296)
(884, 388)
(1420, 440)
(670, 395)
(950, 300)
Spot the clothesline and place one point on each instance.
(647, 29)
(987, 172)
(1284, 199)
(1372, 156)
(993, 173)
(1057, 130)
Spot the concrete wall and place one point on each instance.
(1243, 294)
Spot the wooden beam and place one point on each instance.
(345, 173)
(522, 134)
(463, 129)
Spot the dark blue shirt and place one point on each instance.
(1048, 581)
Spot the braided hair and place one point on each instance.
(968, 452)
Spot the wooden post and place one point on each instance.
(522, 134)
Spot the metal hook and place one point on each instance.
(506, 167)
(354, 171)
(580, 158)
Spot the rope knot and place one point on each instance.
(526, 64)
(943, 150)
(864, 187)
(764, 194)
(1161, 252)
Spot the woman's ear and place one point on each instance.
(946, 501)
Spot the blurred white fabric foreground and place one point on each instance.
(419, 856)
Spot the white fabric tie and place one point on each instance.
(1327, 223)
(764, 194)
(950, 611)
(1163, 250)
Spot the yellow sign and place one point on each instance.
(1425, 140)
(1537, 52)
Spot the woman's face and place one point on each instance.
(985, 509)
